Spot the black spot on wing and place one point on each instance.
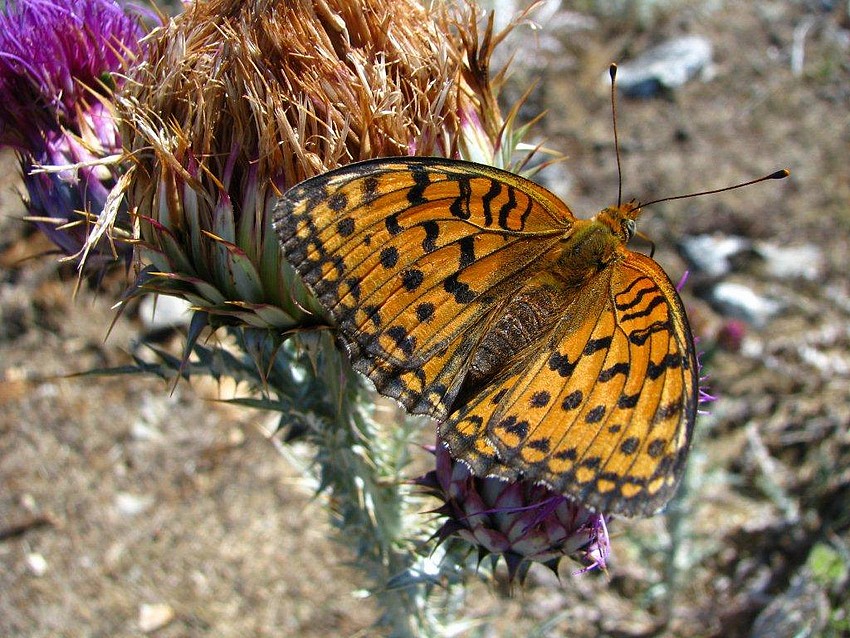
(628, 400)
(561, 364)
(389, 257)
(460, 206)
(630, 445)
(514, 426)
(432, 232)
(639, 337)
(633, 301)
(572, 400)
(540, 399)
(524, 217)
(421, 180)
(345, 227)
(658, 300)
(541, 445)
(595, 415)
(370, 188)
(669, 410)
(595, 345)
(656, 448)
(405, 342)
(568, 454)
(354, 286)
(338, 201)
(670, 361)
(487, 201)
(591, 462)
(393, 227)
(628, 290)
(373, 314)
(425, 311)
(665, 465)
(507, 208)
(412, 279)
(463, 294)
(467, 251)
(609, 373)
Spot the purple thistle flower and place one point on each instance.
(57, 64)
(53, 55)
(521, 521)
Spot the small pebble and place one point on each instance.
(737, 300)
(37, 564)
(664, 67)
(154, 616)
(711, 254)
(131, 504)
(159, 312)
(141, 431)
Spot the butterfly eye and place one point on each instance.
(629, 227)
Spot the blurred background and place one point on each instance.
(128, 508)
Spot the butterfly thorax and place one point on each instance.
(593, 244)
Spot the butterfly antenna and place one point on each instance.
(777, 175)
(612, 71)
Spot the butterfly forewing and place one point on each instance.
(410, 256)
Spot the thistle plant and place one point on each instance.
(60, 62)
(233, 103)
(520, 521)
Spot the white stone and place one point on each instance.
(158, 312)
(37, 564)
(802, 261)
(710, 254)
(154, 616)
(740, 301)
(666, 66)
(131, 504)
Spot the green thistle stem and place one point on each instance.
(358, 464)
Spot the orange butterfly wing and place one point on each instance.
(603, 409)
(474, 296)
(410, 256)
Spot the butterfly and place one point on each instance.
(545, 348)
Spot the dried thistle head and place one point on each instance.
(240, 100)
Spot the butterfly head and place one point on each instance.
(620, 220)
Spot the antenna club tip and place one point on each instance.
(612, 70)
(780, 174)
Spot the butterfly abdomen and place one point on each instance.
(514, 327)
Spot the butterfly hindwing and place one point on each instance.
(603, 408)
(410, 256)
